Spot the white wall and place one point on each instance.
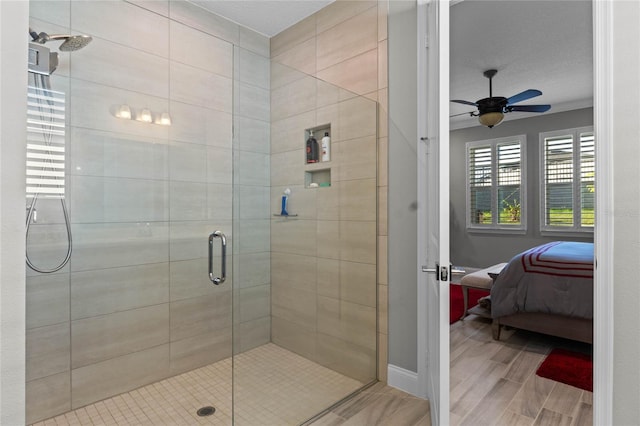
(626, 211)
(13, 79)
(403, 170)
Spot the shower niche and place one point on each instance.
(317, 156)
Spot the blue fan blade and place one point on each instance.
(523, 96)
(464, 102)
(530, 108)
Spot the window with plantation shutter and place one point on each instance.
(568, 180)
(45, 143)
(495, 184)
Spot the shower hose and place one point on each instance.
(42, 82)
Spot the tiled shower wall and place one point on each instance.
(135, 305)
(326, 261)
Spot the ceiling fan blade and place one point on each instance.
(462, 113)
(530, 108)
(464, 102)
(523, 96)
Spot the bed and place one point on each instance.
(547, 289)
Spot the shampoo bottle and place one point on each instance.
(312, 148)
(326, 147)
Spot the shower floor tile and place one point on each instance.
(273, 387)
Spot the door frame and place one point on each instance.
(603, 235)
(433, 134)
(603, 128)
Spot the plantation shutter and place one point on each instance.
(587, 179)
(558, 180)
(45, 143)
(480, 182)
(509, 182)
(569, 179)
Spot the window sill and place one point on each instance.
(585, 233)
(506, 231)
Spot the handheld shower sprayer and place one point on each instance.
(42, 63)
(285, 197)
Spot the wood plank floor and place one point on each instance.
(492, 383)
(495, 383)
(378, 405)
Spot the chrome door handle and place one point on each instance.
(442, 273)
(435, 270)
(457, 270)
(223, 266)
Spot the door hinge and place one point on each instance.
(426, 42)
(425, 140)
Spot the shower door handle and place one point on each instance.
(223, 266)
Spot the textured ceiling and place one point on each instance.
(268, 17)
(545, 45)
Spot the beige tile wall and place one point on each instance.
(325, 263)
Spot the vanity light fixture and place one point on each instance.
(164, 119)
(145, 115)
(124, 112)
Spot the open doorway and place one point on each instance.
(533, 45)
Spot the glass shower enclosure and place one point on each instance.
(176, 132)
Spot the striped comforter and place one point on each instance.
(552, 278)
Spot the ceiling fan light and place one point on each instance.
(491, 119)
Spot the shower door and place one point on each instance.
(148, 164)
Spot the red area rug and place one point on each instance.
(572, 368)
(456, 301)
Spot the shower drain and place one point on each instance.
(206, 411)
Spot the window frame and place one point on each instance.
(577, 227)
(496, 227)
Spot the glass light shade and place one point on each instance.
(491, 119)
(164, 119)
(124, 112)
(145, 115)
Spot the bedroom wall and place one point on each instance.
(471, 249)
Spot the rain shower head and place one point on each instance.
(71, 43)
(75, 42)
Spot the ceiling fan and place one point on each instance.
(491, 110)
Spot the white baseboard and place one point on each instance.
(402, 379)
